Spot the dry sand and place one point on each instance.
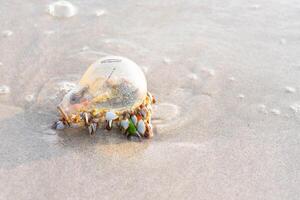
(226, 76)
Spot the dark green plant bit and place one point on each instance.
(131, 131)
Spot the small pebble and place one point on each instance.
(4, 89)
(290, 89)
(275, 111)
(7, 33)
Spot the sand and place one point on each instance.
(226, 77)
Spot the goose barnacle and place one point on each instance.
(109, 88)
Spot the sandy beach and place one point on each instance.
(225, 75)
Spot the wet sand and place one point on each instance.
(226, 77)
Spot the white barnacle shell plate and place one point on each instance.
(141, 127)
(110, 116)
(124, 123)
(112, 83)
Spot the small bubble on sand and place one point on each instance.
(167, 60)
(107, 41)
(262, 108)
(295, 107)
(49, 32)
(1, 63)
(255, 6)
(7, 33)
(241, 96)
(29, 98)
(192, 76)
(210, 72)
(289, 89)
(85, 48)
(62, 9)
(101, 12)
(4, 89)
(231, 78)
(283, 41)
(275, 111)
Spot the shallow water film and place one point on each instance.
(225, 75)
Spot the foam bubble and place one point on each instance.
(255, 6)
(262, 108)
(209, 72)
(29, 98)
(107, 41)
(283, 41)
(167, 60)
(231, 78)
(295, 107)
(241, 96)
(7, 33)
(100, 12)
(276, 111)
(62, 9)
(192, 76)
(4, 89)
(289, 89)
(49, 32)
(85, 48)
